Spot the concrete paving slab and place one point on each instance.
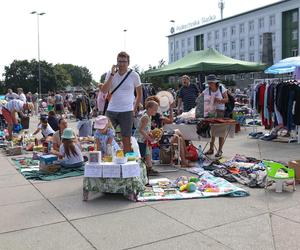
(245, 234)
(61, 187)
(286, 233)
(12, 180)
(6, 168)
(129, 228)
(74, 208)
(10, 195)
(55, 236)
(26, 215)
(206, 213)
(192, 241)
(292, 213)
(277, 201)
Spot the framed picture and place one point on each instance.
(95, 157)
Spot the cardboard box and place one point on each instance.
(296, 166)
(49, 168)
(48, 159)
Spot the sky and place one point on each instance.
(90, 33)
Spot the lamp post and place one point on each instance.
(173, 31)
(38, 33)
(125, 30)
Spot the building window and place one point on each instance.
(224, 47)
(260, 56)
(172, 58)
(217, 35)
(274, 54)
(242, 57)
(251, 41)
(251, 57)
(217, 47)
(295, 17)
(172, 46)
(233, 30)
(242, 43)
(272, 20)
(242, 28)
(251, 26)
(251, 75)
(225, 32)
(209, 36)
(233, 45)
(182, 54)
(189, 51)
(182, 43)
(273, 37)
(177, 56)
(177, 45)
(294, 52)
(189, 42)
(294, 34)
(233, 56)
(261, 22)
(260, 39)
(242, 76)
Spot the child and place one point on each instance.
(143, 135)
(44, 127)
(104, 134)
(70, 151)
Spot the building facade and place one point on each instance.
(241, 36)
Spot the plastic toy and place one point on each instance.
(156, 134)
(194, 179)
(190, 187)
(180, 181)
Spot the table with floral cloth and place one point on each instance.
(128, 186)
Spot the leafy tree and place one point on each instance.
(62, 76)
(80, 76)
(102, 78)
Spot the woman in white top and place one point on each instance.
(219, 94)
(70, 151)
(44, 127)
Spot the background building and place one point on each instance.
(241, 36)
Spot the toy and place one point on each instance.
(190, 187)
(194, 179)
(180, 181)
(156, 134)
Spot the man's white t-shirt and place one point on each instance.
(218, 95)
(14, 104)
(72, 158)
(122, 100)
(22, 97)
(46, 131)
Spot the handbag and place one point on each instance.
(192, 153)
(108, 97)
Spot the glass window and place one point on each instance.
(274, 54)
(260, 39)
(216, 34)
(242, 28)
(261, 22)
(171, 46)
(225, 32)
(177, 44)
(172, 58)
(260, 56)
(182, 43)
(233, 45)
(242, 76)
(209, 36)
(273, 37)
(177, 56)
(294, 34)
(294, 52)
(242, 57)
(233, 30)
(251, 25)
(272, 20)
(251, 57)
(225, 47)
(295, 16)
(233, 57)
(242, 43)
(217, 47)
(182, 54)
(189, 41)
(251, 41)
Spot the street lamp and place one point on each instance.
(125, 30)
(173, 31)
(38, 33)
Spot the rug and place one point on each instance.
(30, 170)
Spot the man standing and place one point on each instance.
(11, 95)
(21, 94)
(123, 104)
(187, 94)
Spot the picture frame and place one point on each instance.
(94, 157)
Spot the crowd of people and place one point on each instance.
(117, 102)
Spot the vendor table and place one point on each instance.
(126, 186)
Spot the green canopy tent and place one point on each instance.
(207, 61)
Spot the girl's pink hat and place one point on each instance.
(101, 122)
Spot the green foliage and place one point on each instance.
(25, 74)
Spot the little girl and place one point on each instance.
(105, 134)
(44, 127)
(69, 151)
(143, 135)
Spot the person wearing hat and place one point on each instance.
(219, 94)
(69, 151)
(10, 111)
(104, 135)
(57, 137)
(44, 127)
(187, 95)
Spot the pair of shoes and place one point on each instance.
(152, 172)
(209, 152)
(219, 154)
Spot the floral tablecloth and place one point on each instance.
(117, 185)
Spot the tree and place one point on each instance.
(62, 76)
(80, 76)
